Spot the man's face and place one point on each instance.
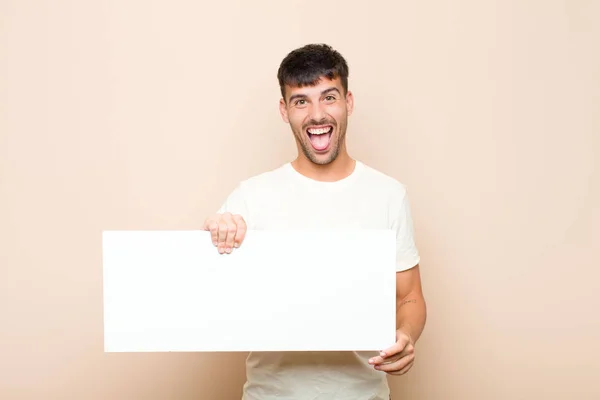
(318, 116)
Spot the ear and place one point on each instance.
(283, 111)
(349, 102)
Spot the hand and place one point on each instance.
(227, 231)
(397, 359)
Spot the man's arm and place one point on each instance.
(411, 313)
(410, 304)
(411, 309)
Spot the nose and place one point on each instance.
(317, 113)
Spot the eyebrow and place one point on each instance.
(300, 96)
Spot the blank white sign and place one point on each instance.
(280, 291)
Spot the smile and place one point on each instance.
(320, 137)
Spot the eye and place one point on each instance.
(300, 102)
(330, 98)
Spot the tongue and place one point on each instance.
(320, 142)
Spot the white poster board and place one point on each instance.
(280, 291)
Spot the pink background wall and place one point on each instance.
(121, 115)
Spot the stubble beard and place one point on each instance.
(309, 153)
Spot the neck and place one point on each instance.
(338, 169)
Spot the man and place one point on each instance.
(324, 187)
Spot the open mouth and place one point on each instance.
(320, 137)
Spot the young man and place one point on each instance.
(325, 187)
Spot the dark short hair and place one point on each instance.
(306, 65)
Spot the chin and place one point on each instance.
(321, 158)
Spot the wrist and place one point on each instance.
(405, 330)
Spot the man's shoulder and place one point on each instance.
(376, 178)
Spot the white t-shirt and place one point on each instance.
(285, 199)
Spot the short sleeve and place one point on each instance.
(407, 255)
(235, 203)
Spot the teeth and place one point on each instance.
(318, 131)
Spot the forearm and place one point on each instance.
(411, 315)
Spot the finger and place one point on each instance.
(222, 236)
(241, 230)
(397, 364)
(398, 350)
(213, 226)
(405, 369)
(210, 224)
(378, 360)
(402, 342)
(398, 367)
(387, 353)
(231, 230)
